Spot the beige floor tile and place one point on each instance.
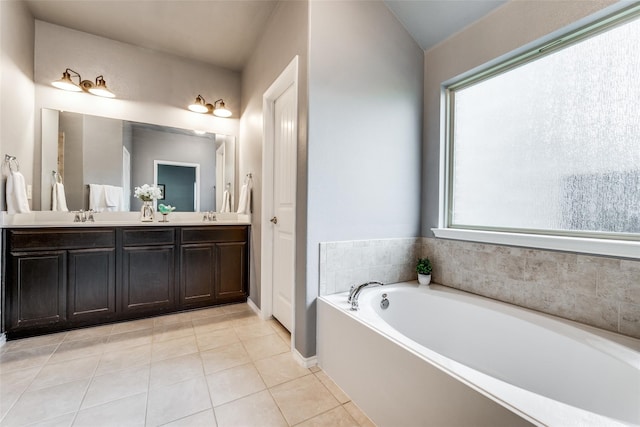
(217, 338)
(46, 403)
(132, 325)
(19, 380)
(117, 342)
(86, 333)
(303, 398)
(78, 349)
(336, 391)
(266, 346)
(234, 383)
(124, 359)
(337, 417)
(26, 358)
(255, 410)
(177, 401)
(245, 319)
(255, 330)
(278, 369)
(27, 343)
(225, 357)
(64, 420)
(210, 324)
(7, 400)
(116, 385)
(201, 419)
(170, 319)
(237, 308)
(358, 415)
(173, 348)
(65, 372)
(172, 331)
(129, 411)
(207, 312)
(170, 371)
(315, 369)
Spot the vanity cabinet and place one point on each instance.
(57, 278)
(62, 278)
(148, 270)
(214, 264)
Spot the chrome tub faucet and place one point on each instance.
(355, 290)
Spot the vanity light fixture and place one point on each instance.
(98, 88)
(217, 108)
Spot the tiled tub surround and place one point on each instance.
(219, 366)
(345, 263)
(599, 291)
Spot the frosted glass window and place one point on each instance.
(553, 144)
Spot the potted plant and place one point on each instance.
(423, 268)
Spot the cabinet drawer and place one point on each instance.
(214, 234)
(148, 236)
(61, 239)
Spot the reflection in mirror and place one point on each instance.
(114, 156)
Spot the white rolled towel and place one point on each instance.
(16, 194)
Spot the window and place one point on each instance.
(549, 142)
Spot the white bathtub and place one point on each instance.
(440, 357)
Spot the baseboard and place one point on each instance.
(306, 362)
(254, 307)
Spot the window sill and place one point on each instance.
(617, 248)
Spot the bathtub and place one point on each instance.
(437, 356)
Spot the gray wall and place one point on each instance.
(285, 36)
(16, 89)
(509, 28)
(149, 145)
(365, 96)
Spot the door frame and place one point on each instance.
(196, 190)
(288, 78)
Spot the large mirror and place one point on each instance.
(91, 154)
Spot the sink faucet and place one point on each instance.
(209, 216)
(82, 216)
(355, 290)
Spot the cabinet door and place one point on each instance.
(92, 284)
(197, 276)
(148, 278)
(37, 291)
(231, 271)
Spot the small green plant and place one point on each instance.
(424, 266)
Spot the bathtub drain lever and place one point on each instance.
(384, 304)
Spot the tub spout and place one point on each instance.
(354, 293)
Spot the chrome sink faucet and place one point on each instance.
(209, 216)
(355, 290)
(82, 216)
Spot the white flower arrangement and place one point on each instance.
(147, 193)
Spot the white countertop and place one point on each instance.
(38, 219)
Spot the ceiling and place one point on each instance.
(225, 32)
(431, 21)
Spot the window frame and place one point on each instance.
(599, 243)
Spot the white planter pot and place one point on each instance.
(424, 279)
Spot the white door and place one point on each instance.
(220, 174)
(284, 203)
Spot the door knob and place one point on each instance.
(274, 220)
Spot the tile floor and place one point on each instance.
(221, 366)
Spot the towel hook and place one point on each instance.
(57, 177)
(8, 159)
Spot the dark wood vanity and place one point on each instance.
(61, 278)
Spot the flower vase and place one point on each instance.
(146, 213)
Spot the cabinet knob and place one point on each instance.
(274, 220)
